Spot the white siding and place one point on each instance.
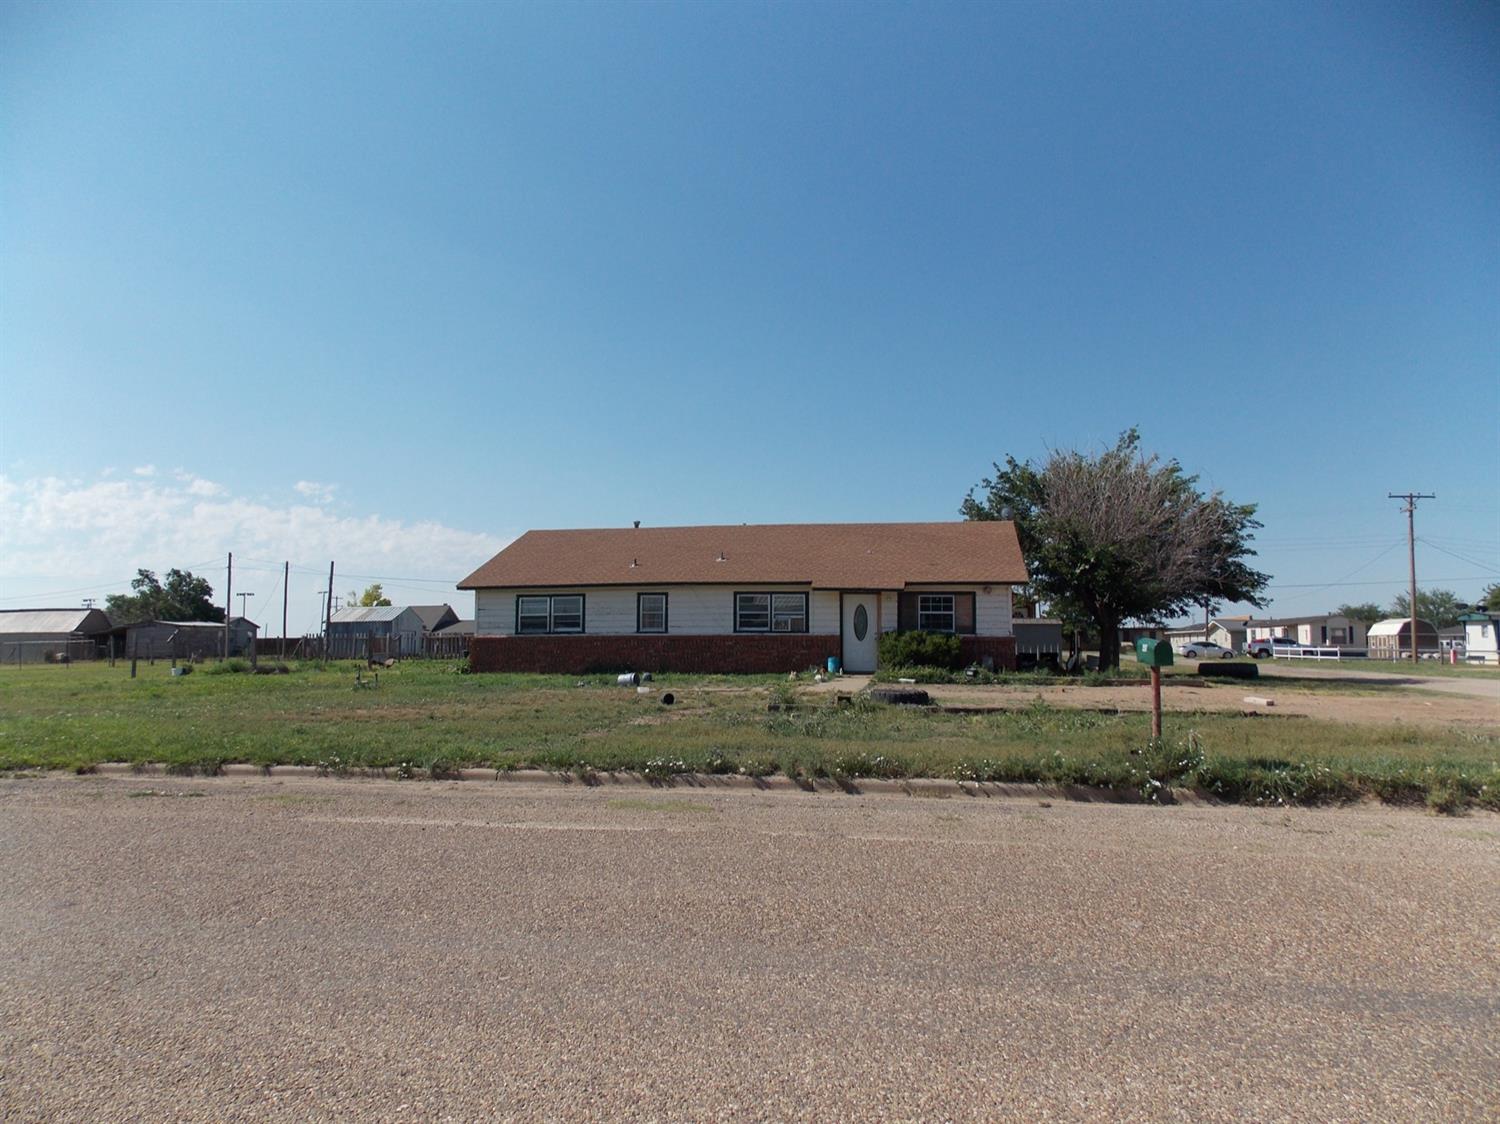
(992, 610)
(692, 610)
(708, 610)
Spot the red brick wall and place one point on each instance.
(1002, 649)
(577, 655)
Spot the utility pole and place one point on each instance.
(328, 616)
(228, 602)
(1411, 499)
(88, 602)
(242, 597)
(286, 576)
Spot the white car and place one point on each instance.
(1207, 650)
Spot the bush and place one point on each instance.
(920, 649)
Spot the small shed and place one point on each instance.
(1391, 639)
(189, 640)
(383, 630)
(51, 635)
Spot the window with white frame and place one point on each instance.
(935, 612)
(770, 612)
(545, 613)
(651, 612)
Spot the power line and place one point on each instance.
(1488, 567)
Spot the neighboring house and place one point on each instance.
(187, 640)
(1327, 631)
(51, 635)
(742, 598)
(1391, 639)
(1480, 632)
(1226, 632)
(435, 618)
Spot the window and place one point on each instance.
(533, 614)
(788, 612)
(770, 612)
(935, 612)
(651, 612)
(544, 613)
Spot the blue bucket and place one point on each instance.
(833, 665)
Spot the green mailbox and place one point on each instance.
(1153, 653)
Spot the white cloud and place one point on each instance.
(318, 493)
(57, 534)
(145, 470)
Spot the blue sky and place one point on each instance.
(393, 283)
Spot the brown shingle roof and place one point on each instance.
(823, 555)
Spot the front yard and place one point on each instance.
(427, 719)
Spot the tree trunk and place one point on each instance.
(1109, 643)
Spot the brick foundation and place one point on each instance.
(724, 655)
(719, 655)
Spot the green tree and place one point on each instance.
(1490, 598)
(373, 595)
(183, 597)
(1121, 535)
(1366, 611)
(1440, 606)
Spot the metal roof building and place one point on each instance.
(46, 635)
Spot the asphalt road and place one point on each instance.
(317, 949)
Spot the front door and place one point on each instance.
(860, 633)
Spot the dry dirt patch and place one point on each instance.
(1399, 707)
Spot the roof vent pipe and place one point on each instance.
(637, 524)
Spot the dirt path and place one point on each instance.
(1488, 688)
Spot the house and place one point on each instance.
(1391, 639)
(1226, 632)
(1326, 631)
(1480, 631)
(189, 640)
(387, 630)
(742, 598)
(51, 635)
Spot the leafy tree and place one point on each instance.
(183, 597)
(373, 595)
(1121, 535)
(1490, 598)
(1440, 606)
(1366, 611)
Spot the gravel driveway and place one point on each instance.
(215, 949)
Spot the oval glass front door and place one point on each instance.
(861, 622)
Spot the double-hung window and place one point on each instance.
(935, 612)
(651, 612)
(544, 613)
(770, 612)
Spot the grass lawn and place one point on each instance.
(425, 718)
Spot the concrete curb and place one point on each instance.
(930, 787)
